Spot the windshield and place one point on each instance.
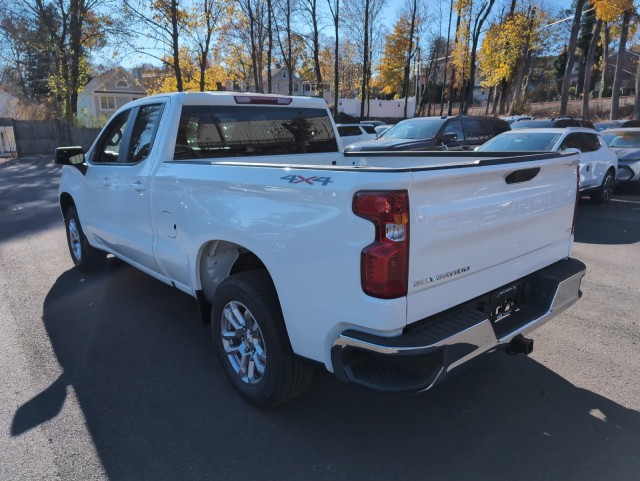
(423, 128)
(515, 142)
(622, 138)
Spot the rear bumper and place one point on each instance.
(429, 349)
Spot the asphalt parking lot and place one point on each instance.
(112, 376)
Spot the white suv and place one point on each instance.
(351, 133)
(598, 163)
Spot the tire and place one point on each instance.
(605, 191)
(85, 257)
(252, 343)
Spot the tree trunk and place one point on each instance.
(617, 78)
(636, 106)
(571, 55)
(175, 44)
(477, 30)
(365, 63)
(407, 65)
(586, 90)
(270, 43)
(605, 60)
(290, 48)
(316, 48)
(453, 73)
(517, 87)
(336, 72)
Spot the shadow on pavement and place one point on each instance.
(158, 406)
(28, 196)
(609, 223)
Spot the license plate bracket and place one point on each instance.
(505, 301)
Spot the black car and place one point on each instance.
(461, 132)
(558, 122)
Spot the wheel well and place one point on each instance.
(66, 201)
(219, 260)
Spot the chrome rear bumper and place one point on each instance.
(421, 357)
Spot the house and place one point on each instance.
(106, 93)
(280, 85)
(8, 105)
(7, 139)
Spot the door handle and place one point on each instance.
(106, 182)
(139, 186)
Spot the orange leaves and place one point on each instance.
(610, 10)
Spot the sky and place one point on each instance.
(436, 9)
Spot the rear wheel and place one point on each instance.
(83, 255)
(605, 191)
(252, 342)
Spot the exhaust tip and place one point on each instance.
(520, 345)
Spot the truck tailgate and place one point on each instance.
(477, 228)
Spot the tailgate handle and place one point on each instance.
(524, 175)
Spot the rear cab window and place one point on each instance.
(237, 131)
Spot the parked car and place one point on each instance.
(516, 118)
(375, 123)
(598, 163)
(381, 129)
(626, 144)
(350, 133)
(614, 124)
(435, 133)
(552, 122)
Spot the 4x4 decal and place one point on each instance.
(298, 179)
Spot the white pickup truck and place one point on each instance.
(389, 269)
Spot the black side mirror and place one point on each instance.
(449, 137)
(73, 156)
(70, 156)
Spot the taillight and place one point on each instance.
(384, 264)
(575, 207)
(260, 100)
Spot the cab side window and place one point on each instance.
(583, 141)
(454, 127)
(476, 131)
(109, 145)
(144, 131)
(571, 141)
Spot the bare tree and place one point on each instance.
(208, 17)
(571, 55)
(617, 77)
(309, 10)
(334, 8)
(364, 16)
(73, 28)
(163, 23)
(480, 18)
(588, 69)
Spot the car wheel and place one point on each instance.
(252, 343)
(605, 191)
(84, 256)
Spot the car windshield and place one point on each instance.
(526, 124)
(515, 142)
(622, 138)
(414, 129)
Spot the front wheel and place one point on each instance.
(84, 256)
(252, 343)
(605, 191)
